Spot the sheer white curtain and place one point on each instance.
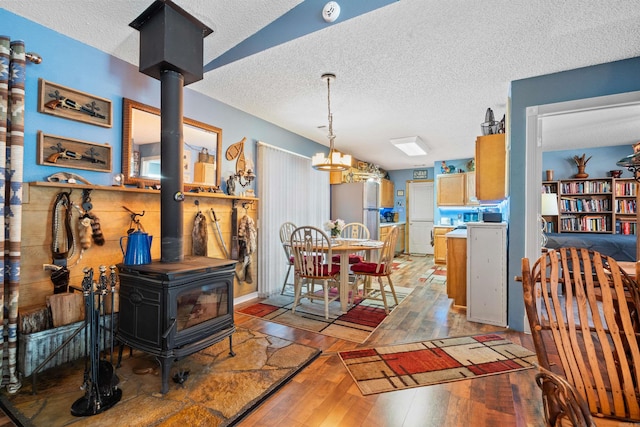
(289, 190)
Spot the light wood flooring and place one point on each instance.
(324, 393)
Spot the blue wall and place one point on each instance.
(400, 178)
(598, 80)
(70, 63)
(602, 161)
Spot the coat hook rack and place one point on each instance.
(243, 203)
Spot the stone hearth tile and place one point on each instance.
(193, 416)
(228, 393)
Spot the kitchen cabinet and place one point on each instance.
(440, 244)
(401, 237)
(384, 231)
(457, 189)
(457, 267)
(451, 189)
(487, 273)
(387, 199)
(470, 198)
(491, 167)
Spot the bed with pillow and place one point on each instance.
(621, 247)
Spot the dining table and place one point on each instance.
(344, 247)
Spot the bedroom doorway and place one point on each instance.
(539, 140)
(537, 143)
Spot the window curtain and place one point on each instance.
(12, 100)
(289, 190)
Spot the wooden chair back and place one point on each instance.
(355, 230)
(311, 249)
(387, 253)
(286, 230)
(588, 309)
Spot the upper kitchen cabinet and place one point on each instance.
(457, 189)
(470, 198)
(386, 193)
(491, 167)
(451, 189)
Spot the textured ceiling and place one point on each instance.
(415, 67)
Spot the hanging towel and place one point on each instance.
(199, 235)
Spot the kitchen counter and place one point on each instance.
(457, 234)
(389, 224)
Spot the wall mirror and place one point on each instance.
(141, 148)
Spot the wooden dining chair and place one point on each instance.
(311, 250)
(353, 230)
(286, 229)
(365, 272)
(572, 408)
(582, 309)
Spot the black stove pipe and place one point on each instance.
(171, 148)
(171, 51)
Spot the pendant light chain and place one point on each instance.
(331, 135)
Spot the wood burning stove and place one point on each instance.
(178, 305)
(172, 310)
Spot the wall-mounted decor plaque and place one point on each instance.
(420, 174)
(72, 153)
(72, 104)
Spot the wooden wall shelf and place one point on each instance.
(133, 190)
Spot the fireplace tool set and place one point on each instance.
(100, 381)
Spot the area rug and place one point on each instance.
(398, 367)
(219, 389)
(435, 274)
(356, 325)
(400, 261)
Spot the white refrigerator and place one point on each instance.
(357, 202)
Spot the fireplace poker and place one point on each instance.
(112, 283)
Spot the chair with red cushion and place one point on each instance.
(365, 271)
(353, 230)
(286, 229)
(311, 247)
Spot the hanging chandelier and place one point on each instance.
(335, 161)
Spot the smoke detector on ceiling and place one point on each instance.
(331, 11)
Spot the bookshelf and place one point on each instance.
(625, 206)
(597, 205)
(552, 221)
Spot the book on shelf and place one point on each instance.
(626, 226)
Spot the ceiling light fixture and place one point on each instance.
(335, 161)
(410, 145)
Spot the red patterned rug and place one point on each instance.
(397, 367)
(356, 325)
